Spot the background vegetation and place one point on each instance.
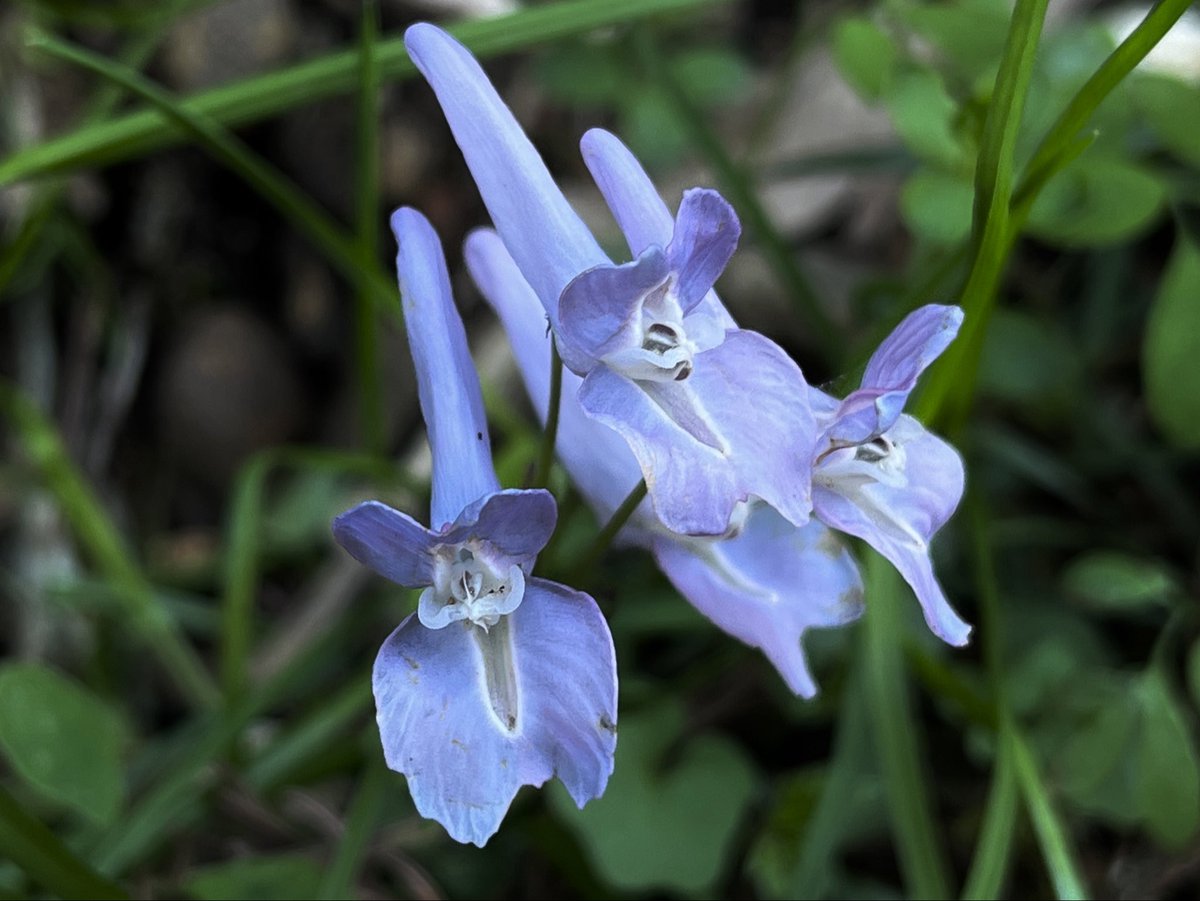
(201, 363)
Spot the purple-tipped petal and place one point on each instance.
(516, 521)
(768, 585)
(469, 717)
(635, 203)
(738, 428)
(600, 463)
(446, 380)
(391, 543)
(548, 241)
(898, 517)
(600, 310)
(892, 373)
(706, 235)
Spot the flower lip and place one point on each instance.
(472, 582)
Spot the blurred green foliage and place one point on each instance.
(1059, 755)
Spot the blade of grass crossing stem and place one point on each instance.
(341, 251)
(370, 395)
(361, 821)
(991, 237)
(743, 196)
(1112, 71)
(993, 853)
(43, 857)
(922, 857)
(99, 535)
(257, 98)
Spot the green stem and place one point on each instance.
(45, 859)
(605, 538)
(922, 854)
(361, 820)
(550, 436)
(744, 197)
(370, 395)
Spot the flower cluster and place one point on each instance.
(753, 477)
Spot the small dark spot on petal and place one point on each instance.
(607, 725)
(412, 663)
(479, 436)
(512, 722)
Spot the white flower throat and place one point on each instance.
(472, 581)
(663, 352)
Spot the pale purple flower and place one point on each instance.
(877, 474)
(713, 414)
(500, 679)
(765, 585)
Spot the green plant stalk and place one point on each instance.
(545, 459)
(366, 171)
(604, 538)
(922, 855)
(993, 853)
(951, 384)
(361, 821)
(743, 196)
(278, 190)
(99, 535)
(43, 857)
(253, 99)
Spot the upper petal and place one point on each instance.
(390, 542)
(469, 717)
(767, 585)
(600, 310)
(518, 522)
(898, 520)
(892, 373)
(548, 241)
(600, 463)
(706, 235)
(447, 383)
(635, 203)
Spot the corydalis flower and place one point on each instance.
(500, 679)
(766, 585)
(712, 415)
(882, 476)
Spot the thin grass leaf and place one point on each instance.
(993, 852)
(43, 857)
(146, 616)
(922, 854)
(361, 822)
(258, 98)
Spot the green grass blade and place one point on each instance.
(267, 95)
(1112, 71)
(101, 538)
(1047, 825)
(993, 853)
(361, 820)
(366, 183)
(922, 855)
(278, 190)
(952, 380)
(43, 857)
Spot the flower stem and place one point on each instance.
(546, 454)
(609, 532)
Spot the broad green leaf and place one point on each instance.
(651, 125)
(1172, 109)
(1109, 580)
(865, 56)
(711, 76)
(1171, 348)
(923, 114)
(1028, 362)
(1095, 764)
(279, 878)
(970, 33)
(665, 821)
(1167, 766)
(1097, 201)
(62, 740)
(937, 206)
